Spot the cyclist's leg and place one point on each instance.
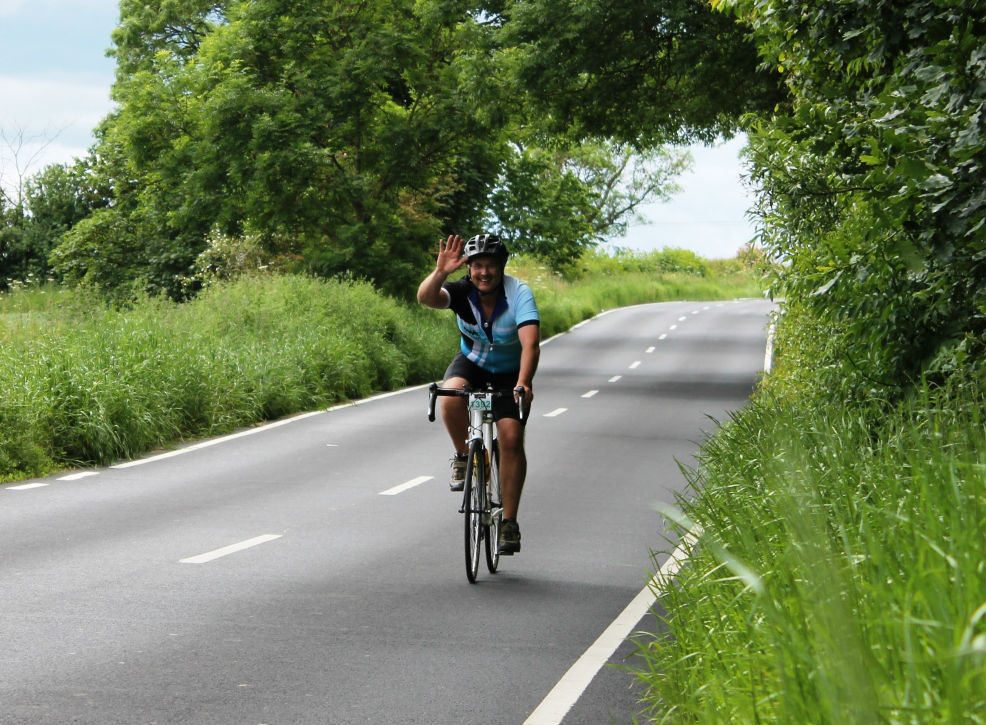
(455, 413)
(513, 464)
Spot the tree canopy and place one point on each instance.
(343, 138)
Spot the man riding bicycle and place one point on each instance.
(500, 344)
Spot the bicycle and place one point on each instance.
(481, 501)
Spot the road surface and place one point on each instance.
(311, 571)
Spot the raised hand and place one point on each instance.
(450, 254)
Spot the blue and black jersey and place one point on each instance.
(493, 344)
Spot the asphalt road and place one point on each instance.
(276, 576)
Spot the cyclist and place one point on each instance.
(500, 344)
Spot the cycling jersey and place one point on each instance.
(492, 343)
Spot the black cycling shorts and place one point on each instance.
(503, 407)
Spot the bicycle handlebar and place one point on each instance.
(434, 391)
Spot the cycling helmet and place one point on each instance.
(486, 244)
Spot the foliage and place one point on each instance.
(343, 138)
(871, 185)
(643, 73)
(839, 577)
(333, 133)
(53, 201)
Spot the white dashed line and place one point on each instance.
(231, 549)
(673, 327)
(590, 393)
(25, 486)
(406, 485)
(682, 319)
(555, 413)
(650, 349)
(615, 378)
(635, 364)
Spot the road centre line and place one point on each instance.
(673, 327)
(663, 336)
(635, 364)
(590, 394)
(25, 486)
(650, 349)
(231, 549)
(406, 485)
(573, 683)
(682, 319)
(615, 378)
(555, 413)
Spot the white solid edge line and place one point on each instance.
(77, 476)
(768, 356)
(573, 683)
(406, 485)
(262, 428)
(231, 549)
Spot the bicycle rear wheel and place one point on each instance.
(496, 512)
(473, 509)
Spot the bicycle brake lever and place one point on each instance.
(432, 395)
(520, 392)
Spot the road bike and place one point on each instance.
(481, 500)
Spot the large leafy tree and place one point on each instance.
(344, 135)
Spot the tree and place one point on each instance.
(344, 136)
(558, 199)
(645, 73)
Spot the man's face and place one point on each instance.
(486, 273)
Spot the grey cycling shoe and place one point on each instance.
(509, 537)
(458, 465)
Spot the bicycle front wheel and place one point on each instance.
(473, 508)
(492, 533)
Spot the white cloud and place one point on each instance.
(62, 107)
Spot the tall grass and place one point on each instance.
(841, 573)
(82, 383)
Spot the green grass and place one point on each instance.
(841, 575)
(83, 384)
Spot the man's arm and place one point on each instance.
(430, 293)
(530, 353)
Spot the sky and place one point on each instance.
(54, 89)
